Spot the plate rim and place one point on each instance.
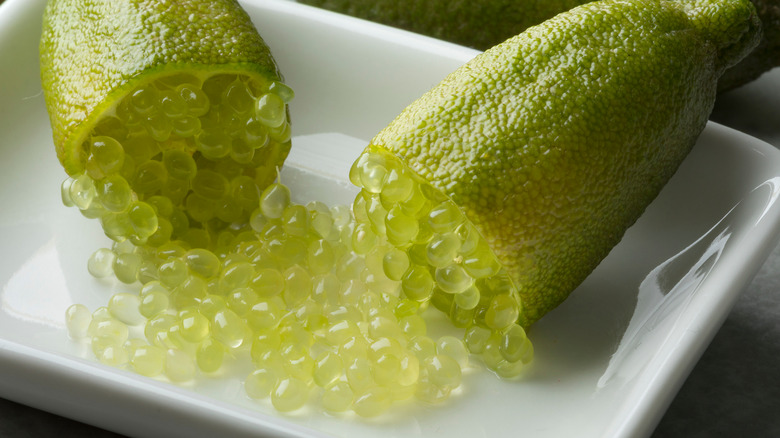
(649, 406)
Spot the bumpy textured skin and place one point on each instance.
(476, 23)
(94, 51)
(554, 142)
(765, 56)
(482, 24)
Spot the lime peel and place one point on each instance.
(554, 142)
(83, 67)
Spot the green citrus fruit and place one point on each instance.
(170, 116)
(514, 177)
(484, 23)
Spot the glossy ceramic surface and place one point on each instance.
(609, 359)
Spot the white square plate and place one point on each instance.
(609, 360)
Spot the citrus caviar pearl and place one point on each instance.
(194, 326)
(126, 267)
(508, 369)
(114, 193)
(153, 303)
(454, 348)
(274, 199)
(430, 393)
(422, 347)
(106, 156)
(179, 164)
(156, 328)
(417, 283)
(372, 401)
(400, 228)
(363, 238)
(289, 394)
(82, 191)
(202, 262)
(142, 100)
(480, 263)
(395, 263)
(502, 312)
(413, 325)
(149, 176)
(443, 371)
(320, 257)
(442, 250)
(124, 307)
(358, 374)
(445, 217)
(148, 360)
(270, 110)
(65, 192)
(179, 366)
(469, 298)
(107, 327)
(515, 346)
(268, 282)
(476, 338)
(328, 368)
(109, 351)
(77, 320)
(195, 100)
(397, 188)
(172, 272)
(236, 276)
(210, 355)
(298, 364)
(376, 214)
(452, 279)
(260, 383)
(100, 263)
(372, 176)
(337, 397)
(409, 371)
(228, 328)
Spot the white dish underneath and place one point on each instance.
(609, 360)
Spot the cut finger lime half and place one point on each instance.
(170, 117)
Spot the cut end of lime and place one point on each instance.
(181, 157)
(419, 240)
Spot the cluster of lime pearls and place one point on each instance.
(182, 158)
(418, 240)
(296, 293)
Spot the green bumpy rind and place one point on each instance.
(554, 142)
(482, 24)
(93, 51)
(475, 23)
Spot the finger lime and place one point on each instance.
(550, 145)
(147, 99)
